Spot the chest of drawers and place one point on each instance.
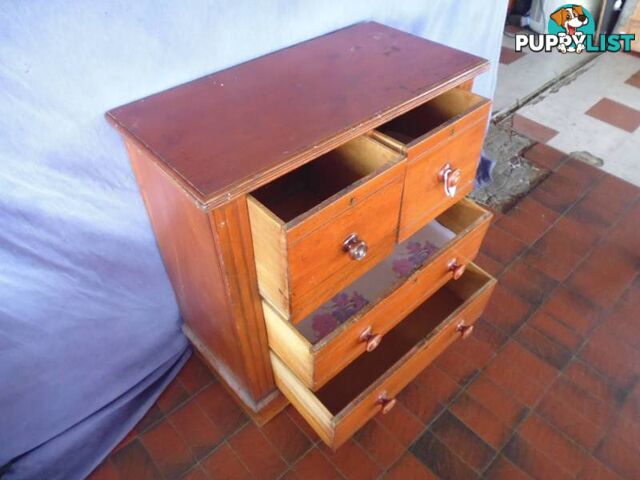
(309, 207)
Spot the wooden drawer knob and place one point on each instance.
(356, 248)
(457, 268)
(450, 178)
(464, 329)
(386, 402)
(372, 339)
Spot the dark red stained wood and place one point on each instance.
(231, 131)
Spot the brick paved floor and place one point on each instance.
(546, 388)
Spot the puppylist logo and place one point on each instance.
(571, 29)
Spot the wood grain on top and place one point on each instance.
(227, 133)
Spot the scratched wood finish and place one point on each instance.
(315, 364)
(229, 132)
(450, 130)
(349, 400)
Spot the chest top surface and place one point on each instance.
(231, 131)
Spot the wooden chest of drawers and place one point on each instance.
(309, 207)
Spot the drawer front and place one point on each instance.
(320, 265)
(333, 356)
(300, 222)
(316, 360)
(440, 177)
(479, 113)
(335, 423)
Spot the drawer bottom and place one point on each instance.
(370, 384)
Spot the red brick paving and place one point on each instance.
(512, 29)
(548, 386)
(353, 461)
(532, 129)
(634, 79)
(544, 156)
(616, 114)
(509, 55)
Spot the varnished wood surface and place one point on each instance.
(423, 196)
(312, 194)
(186, 242)
(232, 131)
(430, 124)
(315, 364)
(346, 403)
(298, 241)
(385, 315)
(200, 150)
(233, 241)
(208, 257)
(318, 266)
(449, 129)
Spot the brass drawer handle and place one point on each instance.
(372, 339)
(456, 268)
(450, 179)
(357, 248)
(386, 402)
(464, 329)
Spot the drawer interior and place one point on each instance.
(437, 112)
(307, 187)
(411, 333)
(407, 258)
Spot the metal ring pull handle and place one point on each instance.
(456, 268)
(386, 402)
(450, 179)
(464, 329)
(372, 339)
(356, 248)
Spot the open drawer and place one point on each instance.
(354, 322)
(443, 140)
(369, 384)
(320, 227)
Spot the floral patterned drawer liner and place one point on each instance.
(407, 257)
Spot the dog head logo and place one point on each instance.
(571, 23)
(570, 18)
